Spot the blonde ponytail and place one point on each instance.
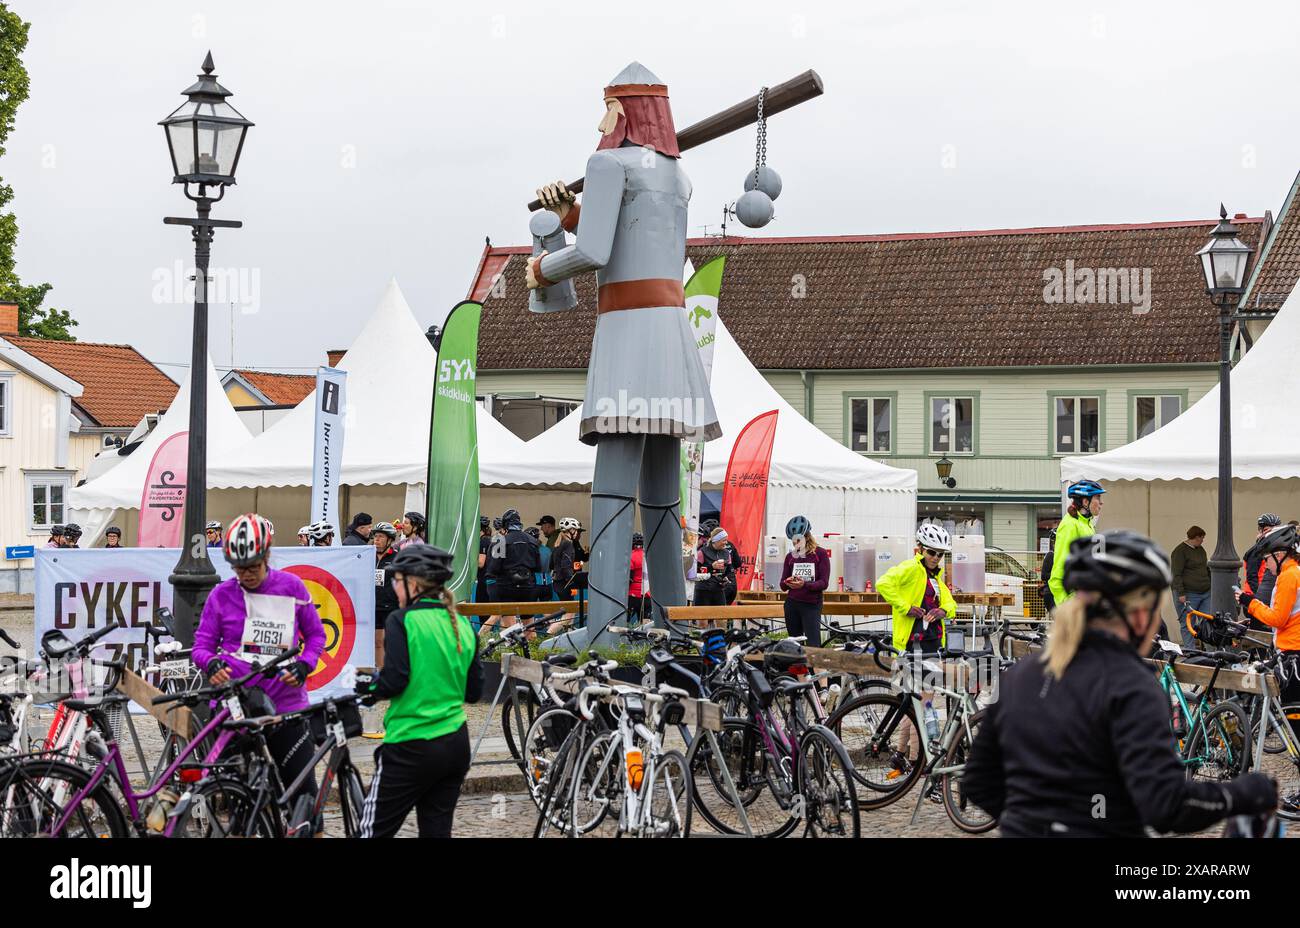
(1069, 620)
(445, 597)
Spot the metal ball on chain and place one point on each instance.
(754, 209)
(766, 180)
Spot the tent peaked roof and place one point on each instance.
(802, 454)
(1264, 444)
(389, 390)
(120, 488)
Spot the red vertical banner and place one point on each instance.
(162, 504)
(744, 494)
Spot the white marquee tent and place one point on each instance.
(1166, 481)
(96, 504)
(390, 367)
(838, 489)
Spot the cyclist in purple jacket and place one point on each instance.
(253, 617)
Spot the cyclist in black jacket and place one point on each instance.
(1079, 742)
(514, 563)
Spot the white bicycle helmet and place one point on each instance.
(319, 531)
(569, 522)
(249, 540)
(933, 536)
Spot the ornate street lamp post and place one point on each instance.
(1223, 262)
(205, 136)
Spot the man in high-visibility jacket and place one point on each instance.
(1079, 522)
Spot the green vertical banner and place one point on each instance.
(702, 293)
(453, 488)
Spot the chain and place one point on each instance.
(760, 156)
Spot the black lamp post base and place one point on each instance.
(1224, 575)
(190, 588)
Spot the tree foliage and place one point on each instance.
(15, 85)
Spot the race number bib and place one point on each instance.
(804, 570)
(379, 576)
(268, 627)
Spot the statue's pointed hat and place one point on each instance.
(647, 118)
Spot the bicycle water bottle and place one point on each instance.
(931, 721)
(635, 768)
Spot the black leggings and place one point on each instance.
(424, 775)
(1289, 685)
(804, 619)
(292, 747)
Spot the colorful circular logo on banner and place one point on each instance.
(338, 616)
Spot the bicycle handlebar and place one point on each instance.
(4, 636)
(595, 690)
(212, 692)
(84, 646)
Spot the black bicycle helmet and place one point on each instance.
(1280, 539)
(113, 530)
(1114, 563)
(783, 655)
(416, 519)
(534, 532)
(426, 561)
(1268, 520)
(707, 526)
(72, 530)
(496, 524)
(512, 520)
(484, 523)
(797, 527)
(638, 540)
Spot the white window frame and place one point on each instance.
(951, 399)
(1078, 413)
(1161, 422)
(6, 404)
(33, 479)
(871, 433)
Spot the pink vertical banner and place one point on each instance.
(162, 505)
(744, 494)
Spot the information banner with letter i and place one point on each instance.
(702, 293)
(453, 448)
(327, 457)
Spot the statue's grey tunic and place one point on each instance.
(645, 376)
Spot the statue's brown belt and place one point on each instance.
(640, 294)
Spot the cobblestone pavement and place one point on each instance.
(493, 802)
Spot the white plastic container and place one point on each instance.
(890, 550)
(968, 564)
(774, 550)
(833, 542)
(859, 563)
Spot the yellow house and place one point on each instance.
(60, 404)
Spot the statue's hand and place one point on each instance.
(557, 198)
(530, 278)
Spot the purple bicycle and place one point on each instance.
(103, 802)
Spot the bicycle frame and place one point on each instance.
(112, 762)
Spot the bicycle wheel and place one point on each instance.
(36, 792)
(224, 808)
(514, 728)
(1219, 748)
(1285, 768)
(741, 746)
(967, 816)
(352, 799)
(545, 737)
(872, 729)
(826, 784)
(668, 799)
(597, 787)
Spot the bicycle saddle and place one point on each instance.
(793, 686)
(562, 660)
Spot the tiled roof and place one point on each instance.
(1276, 277)
(941, 300)
(121, 385)
(280, 389)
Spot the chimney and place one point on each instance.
(8, 319)
(335, 356)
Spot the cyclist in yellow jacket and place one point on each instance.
(1079, 522)
(920, 599)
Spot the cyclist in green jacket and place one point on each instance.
(430, 671)
(1079, 522)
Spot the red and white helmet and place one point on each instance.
(248, 541)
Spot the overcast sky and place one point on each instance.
(393, 135)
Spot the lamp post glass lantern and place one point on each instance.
(944, 468)
(1224, 260)
(205, 137)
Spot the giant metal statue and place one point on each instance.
(646, 388)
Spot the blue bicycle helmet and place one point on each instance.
(1084, 489)
(797, 527)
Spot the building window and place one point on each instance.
(46, 496)
(1077, 424)
(952, 425)
(871, 420)
(6, 401)
(1152, 412)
